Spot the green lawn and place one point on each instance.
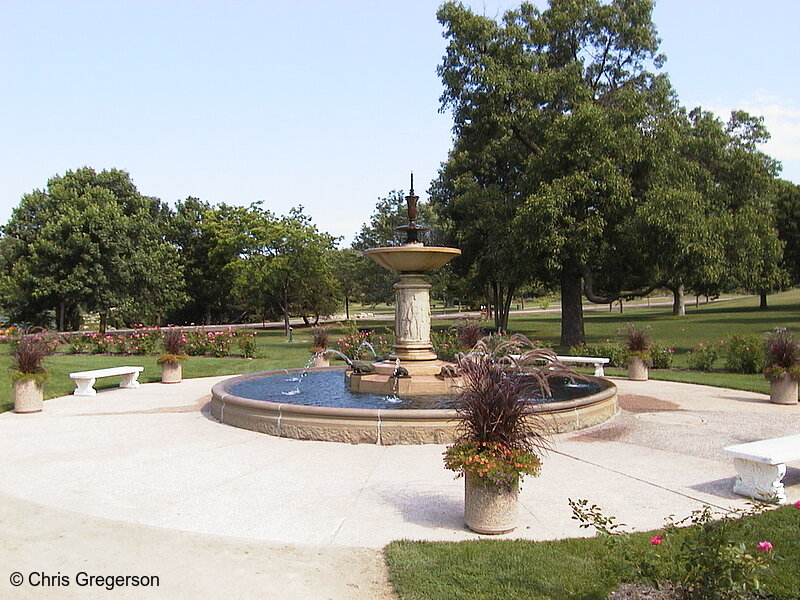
(708, 322)
(274, 353)
(571, 569)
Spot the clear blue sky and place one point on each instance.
(325, 104)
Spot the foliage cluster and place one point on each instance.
(741, 354)
(704, 354)
(494, 465)
(744, 354)
(446, 343)
(353, 343)
(703, 554)
(469, 334)
(572, 149)
(91, 243)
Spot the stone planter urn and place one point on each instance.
(171, 372)
(488, 509)
(783, 390)
(637, 369)
(320, 360)
(28, 396)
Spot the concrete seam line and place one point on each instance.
(655, 485)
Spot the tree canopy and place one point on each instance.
(574, 163)
(89, 242)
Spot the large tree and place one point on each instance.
(89, 242)
(788, 221)
(552, 111)
(282, 267)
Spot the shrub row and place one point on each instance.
(740, 354)
(149, 340)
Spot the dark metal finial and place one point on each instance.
(412, 183)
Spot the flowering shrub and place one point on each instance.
(706, 562)
(714, 567)
(149, 340)
(493, 464)
(219, 342)
(661, 356)
(78, 344)
(703, 355)
(247, 344)
(446, 344)
(744, 354)
(351, 345)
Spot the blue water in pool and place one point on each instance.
(327, 388)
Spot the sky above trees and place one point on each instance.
(323, 104)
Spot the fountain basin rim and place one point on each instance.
(220, 393)
(412, 258)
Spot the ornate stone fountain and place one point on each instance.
(412, 316)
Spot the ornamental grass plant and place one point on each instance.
(319, 338)
(781, 355)
(500, 436)
(637, 343)
(28, 353)
(174, 344)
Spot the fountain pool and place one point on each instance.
(319, 406)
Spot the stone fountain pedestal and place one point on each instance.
(412, 318)
(413, 347)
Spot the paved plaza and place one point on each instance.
(146, 482)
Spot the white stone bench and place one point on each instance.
(591, 360)
(761, 466)
(84, 380)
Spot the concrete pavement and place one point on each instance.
(134, 481)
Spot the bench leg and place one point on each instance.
(598, 370)
(83, 387)
(130, 380)
(760, 481)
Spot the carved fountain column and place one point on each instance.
(412, 319)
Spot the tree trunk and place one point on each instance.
(763, 303)
(678, 301)
(347, 307)
(103, 322)
(503, 297)
(286, 323)
(62, 313)
(572, 332)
